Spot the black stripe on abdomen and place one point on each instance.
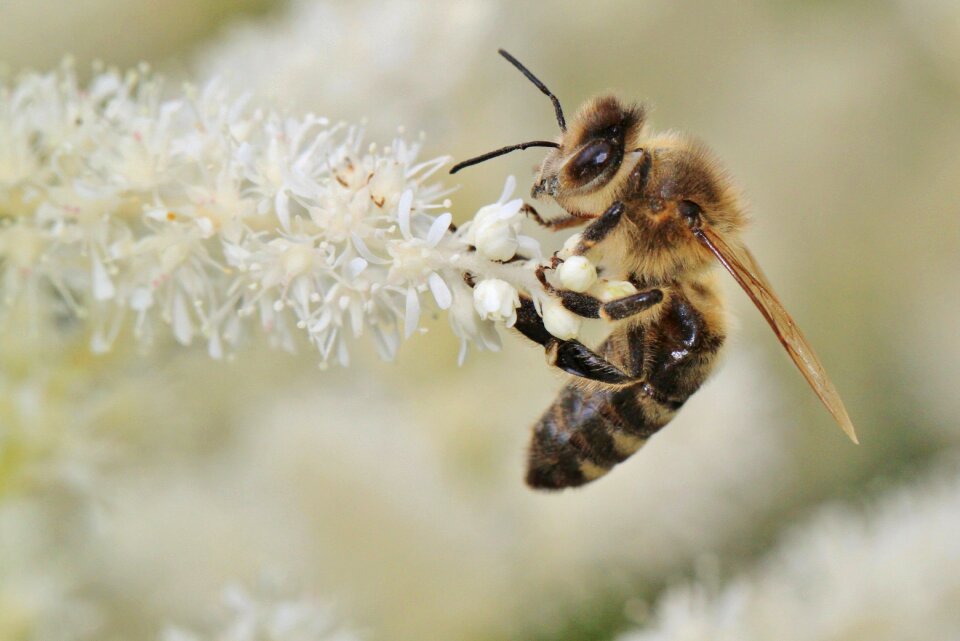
(584, 434)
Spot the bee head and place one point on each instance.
(606, 152)
(593, 156)
(583, 164)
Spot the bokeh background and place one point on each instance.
(134, 488)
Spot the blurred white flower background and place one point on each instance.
(174, 465)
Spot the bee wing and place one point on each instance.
(743, 267)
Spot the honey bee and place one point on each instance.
(662, 212)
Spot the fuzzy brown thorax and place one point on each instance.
(667, 182)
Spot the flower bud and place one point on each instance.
(296, 260)
(559, 321)
(496, 300)
(577, 273)
(496, 238)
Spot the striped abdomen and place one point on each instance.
(592, 427)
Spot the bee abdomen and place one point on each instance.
(585, 433)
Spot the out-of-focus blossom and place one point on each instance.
(415, 54)
(470, 551)
(885, 576)
(263, 616)
(50, 413)
(40, 595)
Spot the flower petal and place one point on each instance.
(182, 326)
(282, 204)
(411, 316)
(103, 288)
(441, 293)
(510, 209)
(403, 213)
(508, 188)
(364, 251)
(356, 266)
(439, 228)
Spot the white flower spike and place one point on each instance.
(215, 217)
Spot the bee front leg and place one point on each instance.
(600, 228)
(556, 223)
(597, 231)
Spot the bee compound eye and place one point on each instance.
(690, 211)
(591, 160)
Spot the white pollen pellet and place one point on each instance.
(608, 290)
(577, 274)
(559, 321)
(570, 244)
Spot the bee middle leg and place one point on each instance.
(589, 306)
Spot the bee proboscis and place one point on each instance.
(663, 212)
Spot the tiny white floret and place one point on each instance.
(496, 300)
(496, 238)
(296, 260)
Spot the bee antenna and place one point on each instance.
(500, 152)
(542, 87)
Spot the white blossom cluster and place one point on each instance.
(249, 616)
(889, 576)
(282, 58)
(210, 215)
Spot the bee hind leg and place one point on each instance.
(530, 324)
(575, 358)
(571, 356)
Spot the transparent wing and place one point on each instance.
(743, 267)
